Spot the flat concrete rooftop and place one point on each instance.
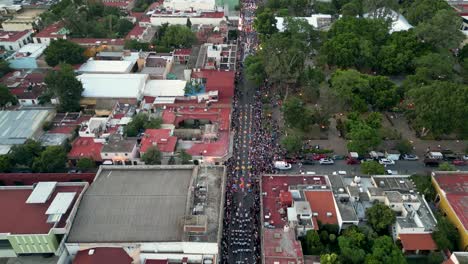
(147, 204)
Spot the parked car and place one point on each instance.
(391, 172)
(291, 160)
(326, 161)
(352, 161)
(338, 157)
(386, 162)
(307, 162)
(458, 162)
(282, 165)
(465, 157)
(319, 156)
(410, 157)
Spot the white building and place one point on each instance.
(165, 88)
(106, 66)
(180, 18)
(318, 21)
(193, 5)
(14, 40)
(128, 86)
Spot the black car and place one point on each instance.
(307, 162)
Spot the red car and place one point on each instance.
(458, 162)
(351, 161)
(319, 156)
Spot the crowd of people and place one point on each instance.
(255, 146)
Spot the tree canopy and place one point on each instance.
(64, 51)
(292, 143)
(254, 69)
(380, 217)
(86, 164)
(265, 22)
(446, 235)
(64, 85)
(372, 168)
(6, 96)
(152, 156)
(385, 251)
(24, 155)
(140, 122)
(177, 36)
(52, 159)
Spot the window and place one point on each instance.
(38, 40)
(24, 41)
(105, 154)
(11, 47)
(126, 154)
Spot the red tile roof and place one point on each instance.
(51, 31)
(137, 15)
(85, 147)
(22, 218)
(98, 41)
(221, 81)
(212, 14)
(149, 99)
(168, 117)
(161, 137)
(291, 250)
(116, 4)
(275, 185)
(32, 178)
(103, 255)
(136, 32)
(25, 86)
(455, 187)
(417, 242)
(219, 148)
(12, 36)
(323, 202)
(182, 51)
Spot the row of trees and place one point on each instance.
(32, 156)
(88, 19)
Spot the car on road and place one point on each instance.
(307, 162)
(458, 162)
(319, 156)
(465, 157)
(410, 157)
(282, 165)
(291, 160)
(386, 162)
(391, 172)
(352, 161)
(338, 157)
(326, 161)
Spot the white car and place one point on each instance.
(326, 162)
(282, 165)
(386, 162)
(410, 157)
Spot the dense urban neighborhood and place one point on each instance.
(234, 131)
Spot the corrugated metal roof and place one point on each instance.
(17, 126)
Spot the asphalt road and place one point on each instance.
(402, 167)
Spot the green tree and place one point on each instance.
(6, 96)
(446, 235)
(52, 159)
(346, 84)
(436, 66)
(362, 137)
(423, 10)
(424, 186)
(265, 22)
(178, 36)
(4, 67)
(152, 156)
(428, 102)
(185, 157)
(351, 245)
(330, 258)
(404, 146)
(5, 163)
(312, 244)
(372, 168)
(292, 143)
(63, 51)
(295, 113)
(385, 251)
(142, 121)
(380, 217)
(441, 31)
(254, 69)
(23, 155)
(445, 166)
(123, 27)
(85, 164)
(352, 9)
(135, 45)
(64, 85)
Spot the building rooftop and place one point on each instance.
(12, 36)
(31, 50)
(417, 242)
(173, 88)
(117, 143)
(55, 30)
(401, 183)
(162, 138)
(21, 217)
(100, 255)
(323, 203)
(85, 147)
(98, 41)
(22, 179)
(455, 187)
(18, 126)
(347, 211)
(281, 247)
(150, 204)
(25, 85)
(113, 85)
(221, 81)
(105, 66)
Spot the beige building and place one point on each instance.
(27, 19)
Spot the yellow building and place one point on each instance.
(452, 200)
